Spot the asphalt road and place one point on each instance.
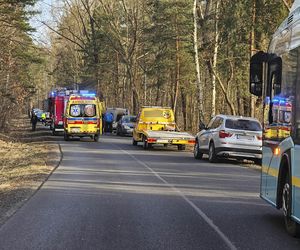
(112, 195)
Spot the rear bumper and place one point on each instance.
(174, 141)
(58, 128)
(239, 152)
(82, 134)
(127, 131)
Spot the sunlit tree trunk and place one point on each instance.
(215, 58)
(198, 76)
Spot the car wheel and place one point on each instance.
(197, 154)
(145, 143)
(96, 137)
(212, 157)
(66, 137)
(54, 133)
(181, 147)
(258, 161)
(292, 227)
(134, 142)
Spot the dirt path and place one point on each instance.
(26, 160)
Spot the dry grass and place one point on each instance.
(23, 166)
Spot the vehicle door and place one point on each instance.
(205, 135)
(214, 132)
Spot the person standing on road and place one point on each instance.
(108, 118)
(34, 120)
(43, 117)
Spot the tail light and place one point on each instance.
(98, 122)
(66, 121)
(191, 141)
(223, 134)
(259, 138)
(151, 140)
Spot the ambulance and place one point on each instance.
(82, 117)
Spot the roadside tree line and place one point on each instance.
(20, 60)
(190, 55)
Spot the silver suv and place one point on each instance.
(230, 137)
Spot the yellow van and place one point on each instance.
(83, 117)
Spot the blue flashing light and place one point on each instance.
(89, 94)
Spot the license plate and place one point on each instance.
(163, 141)
(245, 137)
(75, 130)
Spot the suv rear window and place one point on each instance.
(243, 125)
(83, 110)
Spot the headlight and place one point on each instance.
(126, 127)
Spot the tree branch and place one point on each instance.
(287, 5)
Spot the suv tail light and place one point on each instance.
(259, 138)
(223, 134)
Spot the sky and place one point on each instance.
(41, 36)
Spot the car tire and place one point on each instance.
(181, 147)
(96, 137)
(134, 142)
(212, 156)
(292, 227)
(197, 154)
(54, 133)
(258, 162)
(66, 137)
(145, 143)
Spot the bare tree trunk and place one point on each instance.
(184, 108)
(198, 77)
(176, 89)
(221, 84)
(252, 48)
(215, 58)
(287, 5)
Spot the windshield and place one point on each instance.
(82, 110)
(243, 125)
(129, 119)
(162, 115)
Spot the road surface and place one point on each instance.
(112, 195)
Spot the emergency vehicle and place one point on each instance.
(274, 77)
(56, 106)
(156, 125)
(82, 117)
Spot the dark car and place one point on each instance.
(126, 125)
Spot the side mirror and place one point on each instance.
(256, 73)
(275, 75)
(202, 126)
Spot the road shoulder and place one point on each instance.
(25, 165)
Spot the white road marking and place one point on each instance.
(197, 209)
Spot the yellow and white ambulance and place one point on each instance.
(82, 117)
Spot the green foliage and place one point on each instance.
(17, 55)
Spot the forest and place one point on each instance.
(190, 55)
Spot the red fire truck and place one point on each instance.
(57, 102)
